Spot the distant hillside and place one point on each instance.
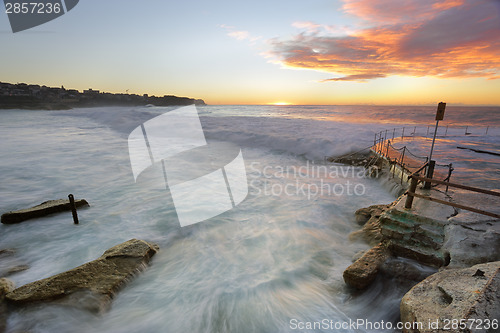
(32, 96)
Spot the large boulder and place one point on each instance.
(43, 209)
(364, 270)
(469, 294)
(90, 286)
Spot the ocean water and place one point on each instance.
(271, 262)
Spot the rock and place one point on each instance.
(90, 286)
(43, 209)
(472, 243)
(369, 218)
(6, 286)
(406, 271)
(364, 270)
(454, 294)
(364, 214)
(7, 252)
(17, 269)
(9, 264)
(370, 233)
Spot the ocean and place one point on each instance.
(272, 263)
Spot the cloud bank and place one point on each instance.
(439, 38)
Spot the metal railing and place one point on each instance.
(404, 157)
(425, 131)
(411, 193)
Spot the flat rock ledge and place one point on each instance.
(90, 286)
(470, 295)
(43, 209)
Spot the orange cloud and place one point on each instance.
(446, 38)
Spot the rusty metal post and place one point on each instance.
(402, 172)
(73, 208)
(430, 174)
(411, 190)
(450, 170)
(403, 134)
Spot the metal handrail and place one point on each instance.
(411, 193)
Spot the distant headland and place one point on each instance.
(34, 96)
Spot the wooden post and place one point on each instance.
(73, 208)
(411, 190)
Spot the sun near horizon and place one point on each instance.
(280, 103)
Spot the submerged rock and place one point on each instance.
(90, 286)
(467, 295)
(43, 209)
(364, 270)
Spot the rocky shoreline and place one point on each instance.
(464, 249)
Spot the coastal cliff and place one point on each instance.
(36, 97)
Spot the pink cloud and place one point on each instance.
(446, 38)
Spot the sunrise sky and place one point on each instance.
(262, 52)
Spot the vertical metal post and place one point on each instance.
(430, 174)
(446, 133)
(403, 134)
(433, 139)
(387, 149)
(73, 208)
(393, 132)
(402, 172)
(411, 190)
(428, 127)
(487, 128)
(450, 170)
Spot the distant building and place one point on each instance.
(91, 92)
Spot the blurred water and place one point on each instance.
(277, 256)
